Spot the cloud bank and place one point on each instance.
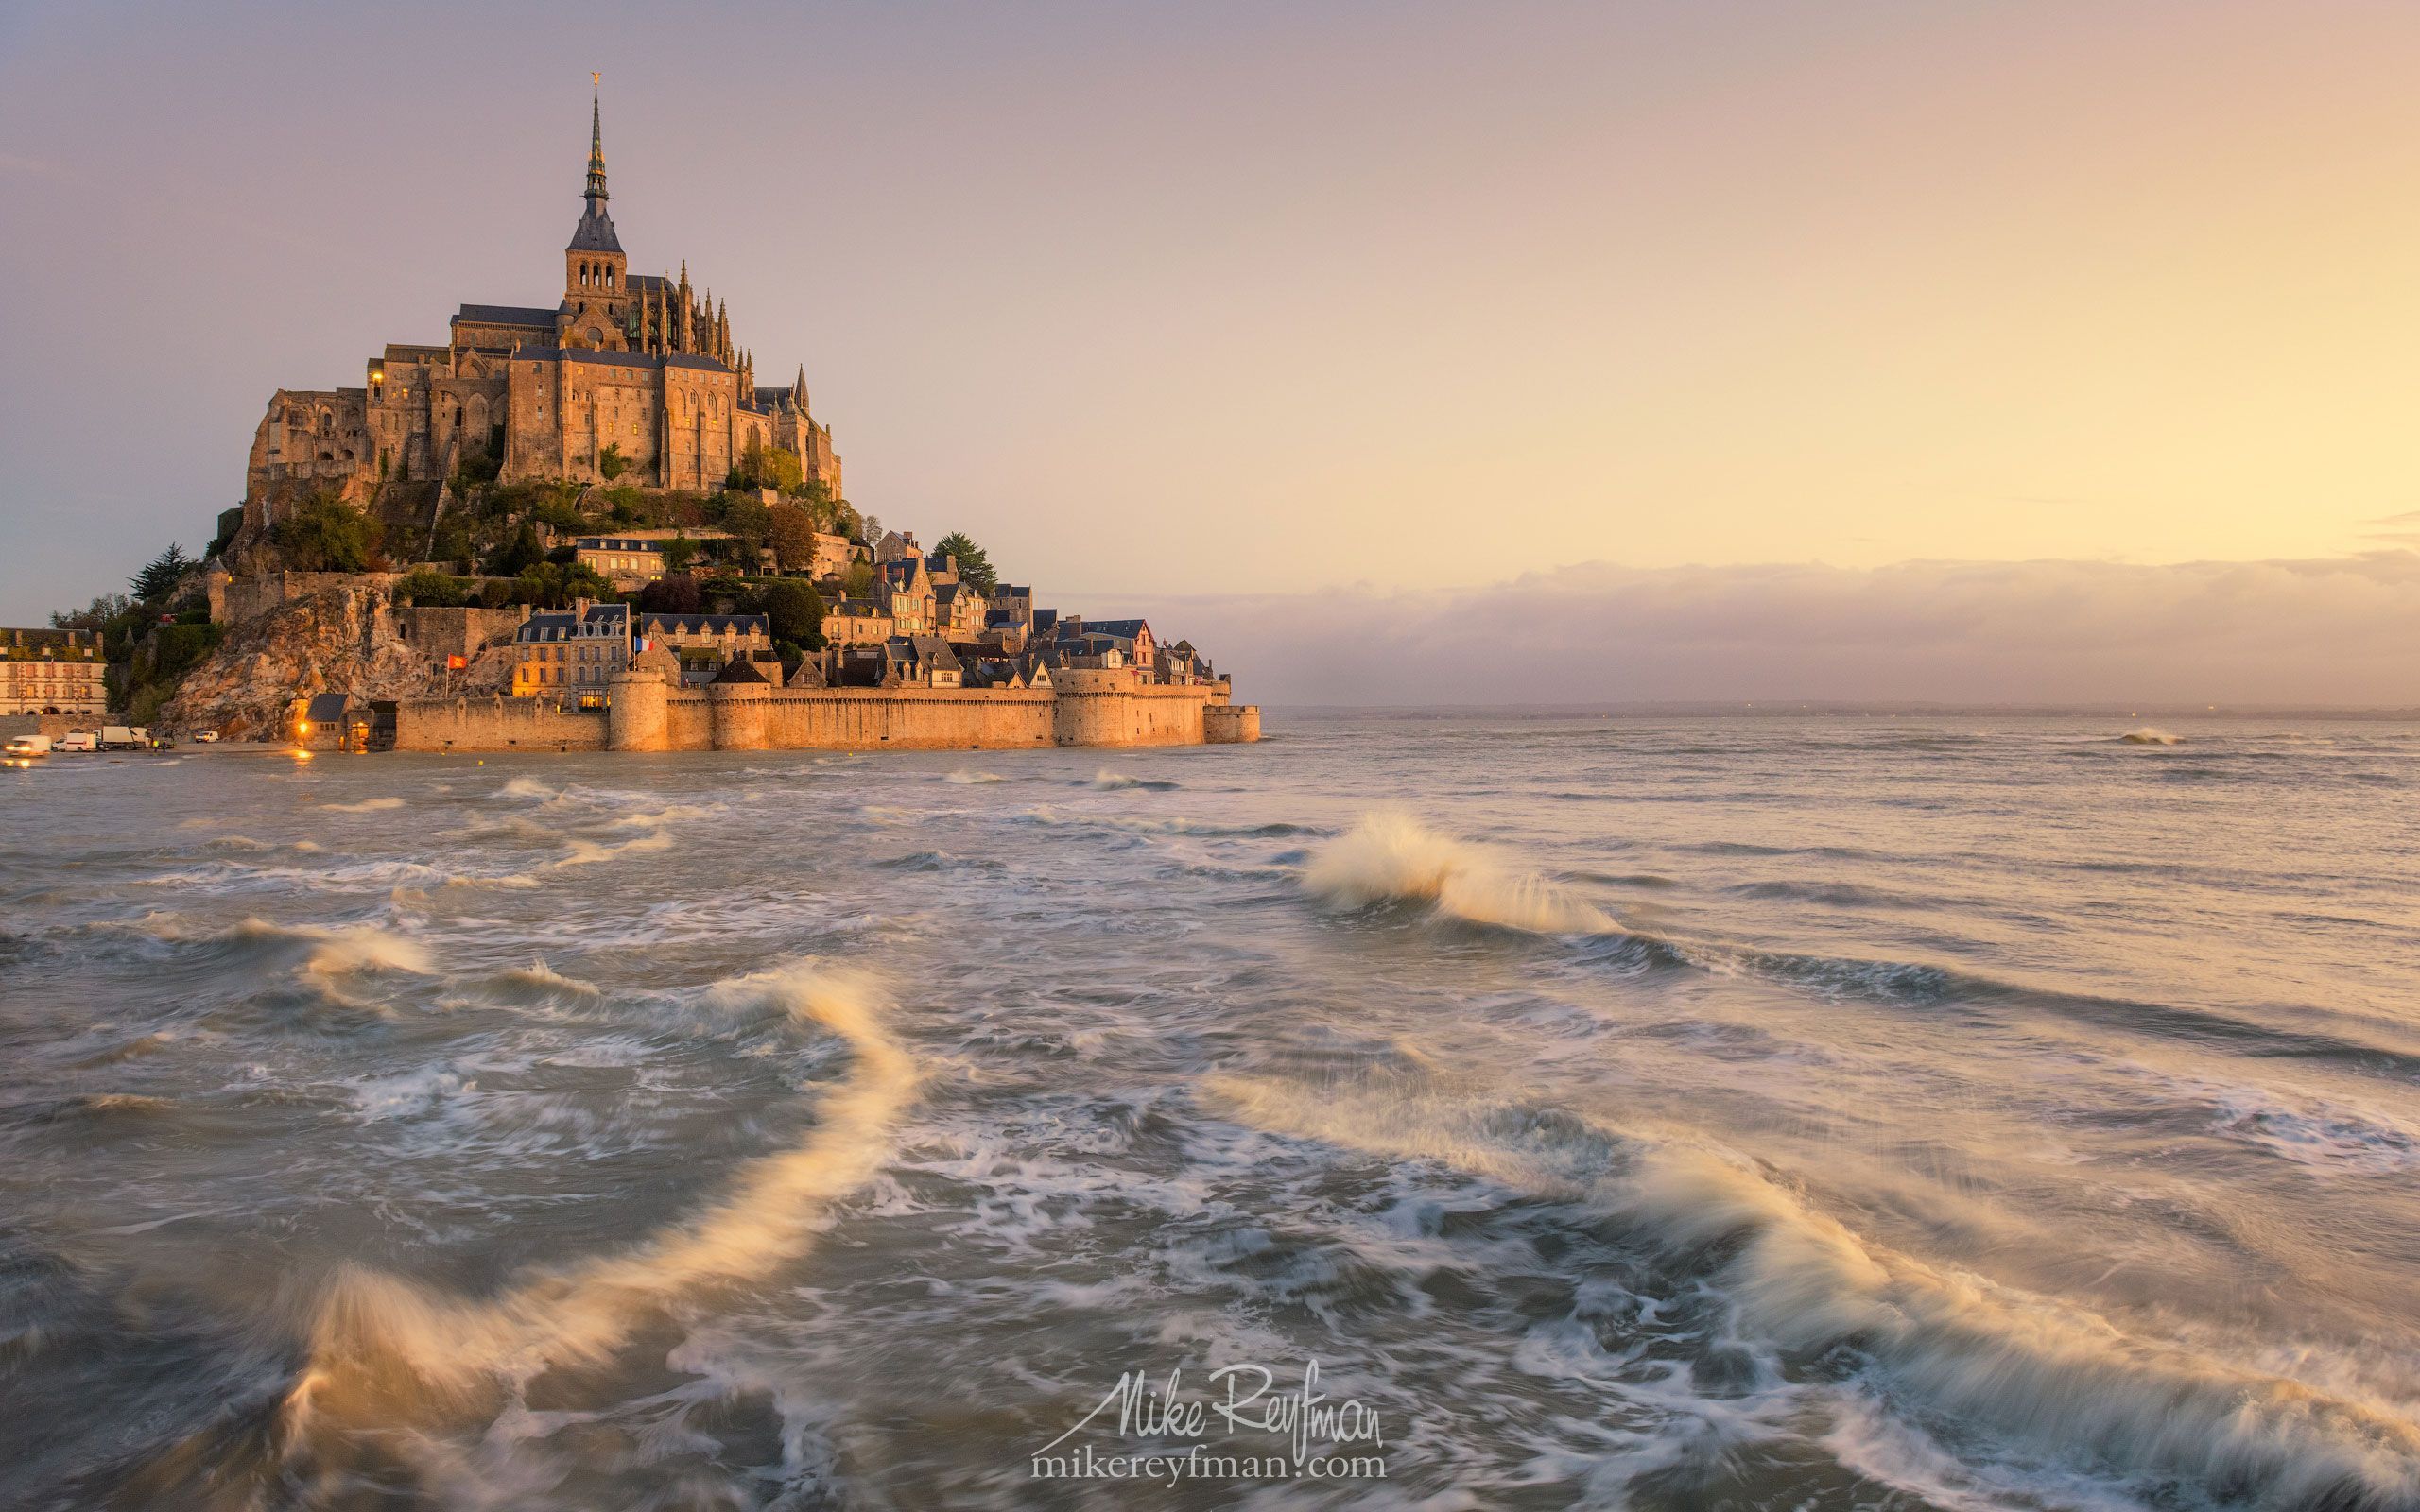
(2342, 631)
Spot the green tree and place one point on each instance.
(794, 613)
(674, 594)
(748, 522)
(814, 495)
(433, 591)
(770, 467)
(323, 534)
(162, 573)
(548, 585)
(974, 566)
(519, 553)
(858, 580)
(95, 615)
(611, 462)
(679, 553)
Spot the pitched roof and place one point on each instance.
(1123, 629)
(595, 232)
(616, 544)
(670, 624)
(740, 671)
(504, 315)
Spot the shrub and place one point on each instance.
(517, 555)
(433, 591)
(794, 613)
(323, 534)
(674, 594)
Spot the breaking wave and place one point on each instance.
(2021, 1369)
(966, 776)
(1390, 857)
(2150, 735)
(1106, 780)
(367, 805)
(383, 1348)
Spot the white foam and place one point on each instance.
(367, 805)
(382, 1347)
(2023, 1367)
(2149, 735)
(1390, 857)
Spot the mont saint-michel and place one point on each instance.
(582, 526)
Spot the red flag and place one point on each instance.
(456, 663)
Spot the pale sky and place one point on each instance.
(1161, 300)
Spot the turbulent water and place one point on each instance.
(1780, 1115)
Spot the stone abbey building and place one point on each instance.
(631, 365)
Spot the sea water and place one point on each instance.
(1634, 1112)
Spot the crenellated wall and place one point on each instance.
(1087, 708)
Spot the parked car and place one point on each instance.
(206, 737)
(29, 745)
(77, 740)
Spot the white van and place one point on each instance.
(29, 745)
(77, 740)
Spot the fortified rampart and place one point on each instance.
(1107, 707)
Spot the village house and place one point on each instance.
(904, 590)
(959, 609)
(707, 643)
(571, 654)
(52, 672)
(856, 622)
(625, 561)
(1132, 639)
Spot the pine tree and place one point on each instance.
(162, 573)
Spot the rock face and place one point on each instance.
(338, 638)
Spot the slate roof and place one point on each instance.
(328, 707)
(1123, 629)
(595, 232)
(504, 315)
(661, 623)
(740, 671)
(559, 625)
(616, 544)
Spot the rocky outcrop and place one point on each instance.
(340, 636)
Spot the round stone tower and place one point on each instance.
(739, 705)
(636, 719)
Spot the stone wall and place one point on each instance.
(1102, 707)
(496, 723)
(438, 632)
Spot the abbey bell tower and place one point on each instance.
(595, 292)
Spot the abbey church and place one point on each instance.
(633, 374)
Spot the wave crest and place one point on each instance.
(1391, 857)
(2011, 1364)
(382, 1347)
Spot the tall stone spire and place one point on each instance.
(596, 138)
(798, 390)
(596, 230)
